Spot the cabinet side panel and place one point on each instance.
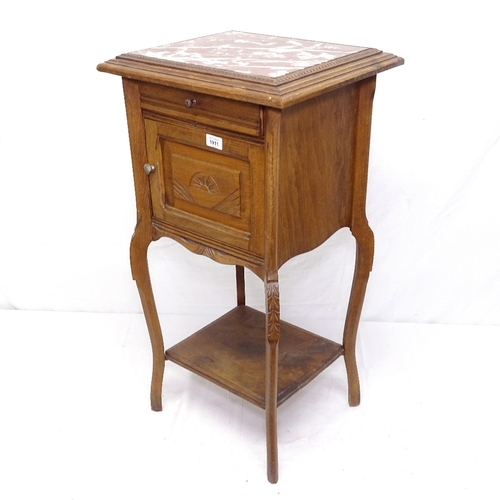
(316, 178)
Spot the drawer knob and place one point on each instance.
(190, 103)
(148, 168)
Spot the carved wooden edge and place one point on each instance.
(274, 95)
(209, 252)
(273, 311)
(164, 228)
(217, 255)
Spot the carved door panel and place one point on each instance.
(208, 184)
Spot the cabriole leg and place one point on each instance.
(364, 260)
(140, 273)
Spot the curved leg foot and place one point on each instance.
(364, 260)
(272, 338)
(140, 272)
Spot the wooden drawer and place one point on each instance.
(226, 114)
(209, 195)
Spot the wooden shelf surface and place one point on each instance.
(231, 353)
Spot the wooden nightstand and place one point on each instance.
(251, 149)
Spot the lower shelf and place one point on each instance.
(231, 353)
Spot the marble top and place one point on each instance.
(251, 55)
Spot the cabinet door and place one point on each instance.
(208, 184)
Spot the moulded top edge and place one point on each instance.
(285, 94)
(272, 60)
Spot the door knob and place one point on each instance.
(148, 168)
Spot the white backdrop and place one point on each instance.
(66, 195)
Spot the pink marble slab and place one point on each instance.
(252, 55)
